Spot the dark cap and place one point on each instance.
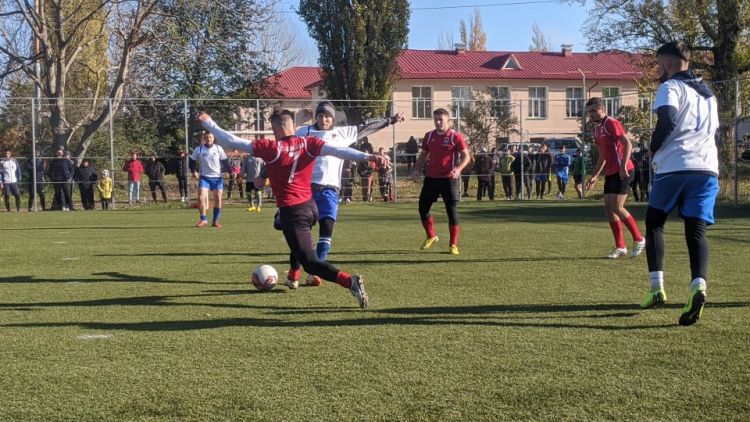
(325, 107)
(675, 48)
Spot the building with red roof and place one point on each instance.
(544, 90)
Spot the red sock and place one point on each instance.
(429, 226)
(293, 274)
(343, 279)
(454, 234)
(616, 227)
(633, 228)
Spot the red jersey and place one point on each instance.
(290, 165)
(607, 135)
(443, 152)
(134, 169)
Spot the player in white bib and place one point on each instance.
(326, 178)
(686, 169)
(210, 158)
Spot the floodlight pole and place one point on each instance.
(187, 143)
(33, 151)
(737, 107)
(395, 160)
(111, 148)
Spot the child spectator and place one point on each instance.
(105, 189)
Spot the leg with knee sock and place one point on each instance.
(325, 236)
(697, 244)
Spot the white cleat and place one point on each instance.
(292, 284)
(617, 253)
(638, 248)
(358, 290)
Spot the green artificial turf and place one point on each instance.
(137, 315)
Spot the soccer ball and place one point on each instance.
(265, 277)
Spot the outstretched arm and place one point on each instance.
(370, 126)
(346, 153)
(224, 138)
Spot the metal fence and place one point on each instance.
(162, 127)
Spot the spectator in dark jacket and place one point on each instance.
(484, 167)
(60, 174)
(347, 180)
(85, 176)
(155, 171)
(522, 170)
(41, 168)
(412, 150)
(183, 173)
(543, 170)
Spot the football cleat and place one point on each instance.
(617, 253)
(429, 242)
(216, 224)
(202, 223)
(454, 250)
(251, 209)
(654, 298)
(693, 309)
(358, 290)
(638, 248)
(313, 280)
(292, 284)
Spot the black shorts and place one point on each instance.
(250, 186)
(578, 179)
(299, 217)
(447, 188)
(614, 185)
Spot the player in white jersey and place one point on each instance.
(210, 157)
(326, 178)
(686, 169)
(10, 175)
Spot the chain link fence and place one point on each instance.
(160, 130)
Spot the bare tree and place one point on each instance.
(64, 31)
(446, 40)
(539, 41)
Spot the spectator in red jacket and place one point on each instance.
(134, 168)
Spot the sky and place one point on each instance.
(508, 27)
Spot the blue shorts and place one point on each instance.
(328, 203)
(694, 194)
(541, 177)
(211, 183)
(563, 178)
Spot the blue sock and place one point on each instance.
(324, 245)
(217, 214)
(204, 217)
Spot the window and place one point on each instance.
(611, 100)
(461, 101)
(511, 63)
(421, 102)
(644, 103)
(573, 102)
(500, 96)
(538, 102)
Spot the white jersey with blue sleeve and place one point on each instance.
(210, 159)
(691, 146)
(327, 170)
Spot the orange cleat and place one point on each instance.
(202, 223)
(313, 280)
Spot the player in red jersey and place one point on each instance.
(614, 159)
(289, 161)
(445, 153)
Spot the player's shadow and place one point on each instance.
(78, 228)
(102, 277)
(498, 316)
(199, 254)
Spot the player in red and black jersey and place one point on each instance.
(614, 159)
(446, 154)
(289, 161)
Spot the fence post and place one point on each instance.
(736, 142)
(520, 153)
(33, 152)
(395, 154)
(111, 148)
(187, 142)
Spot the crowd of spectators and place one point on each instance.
(521, 173)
